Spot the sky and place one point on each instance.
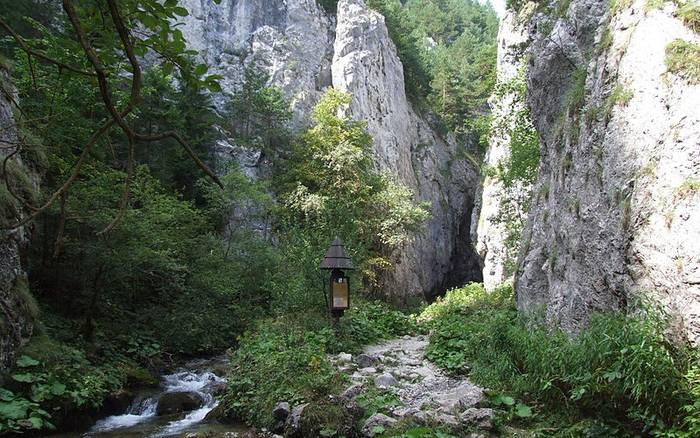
(499, 6)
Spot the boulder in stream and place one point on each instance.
(178, 402)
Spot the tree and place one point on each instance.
(70, 48)
(258, 114)
(328, 187)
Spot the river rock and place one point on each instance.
(344, 358)
(216, 387)
(465, 395)
(377, 424)
(178, 402)
(293, 422)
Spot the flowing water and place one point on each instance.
(140, 419)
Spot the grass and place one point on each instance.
(620, 376)
(286, 359)
(651, 5)
(683, 59)
(689, 187)
(689, 13)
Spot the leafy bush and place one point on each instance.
(689, 13)
(621, 369)
(52, 379)
(279, 361)
(285, 358)
(683, 59)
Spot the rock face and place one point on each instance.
(365, 64)
(491, 232)
(616, 207)
(17, 308)
(305, 50)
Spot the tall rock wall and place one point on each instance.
(492, 232)
(615, 213)
(17, 308)
(305, 50)
(366, 65)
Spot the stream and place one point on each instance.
(141, 420)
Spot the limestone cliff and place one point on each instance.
(17, 307)
(366, 65)
(615, 213)
(495, 203)
(305, 50)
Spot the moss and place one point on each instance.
(689, 14)
(619, 96)
(619, 5)
(139, 376)
(606, 40)
(22, 186)
(683, 59)
(576, 95)
(689, 187)
(651, 5)
(626, 212)
(562, 8)
(26, 300)
(567, 162)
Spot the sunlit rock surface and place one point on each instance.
(616, 213)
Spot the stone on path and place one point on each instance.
(377, 424)
(366, 360)
(384, 381)
(425, 393)
(352, 391)
(281, 411)
(344, 358)
(479, 417)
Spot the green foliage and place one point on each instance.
(258, 115)
(519, 169)
(285, 358)
(279, 361)
(621, 370)
(51, 378)
(689, 13)
(17, 414)
(683, 59)
(448, 52)
(328, 188)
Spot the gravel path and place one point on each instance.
(426, 394)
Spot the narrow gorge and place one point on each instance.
(518, 193)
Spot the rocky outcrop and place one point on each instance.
(17, 307)
(616, 208)
(492, 231)
(366, 65)
(305, 50)
(290, 41)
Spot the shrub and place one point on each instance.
(621, 369)
(285, 358)
(689, 13)
(683, 59)
(279, 361)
